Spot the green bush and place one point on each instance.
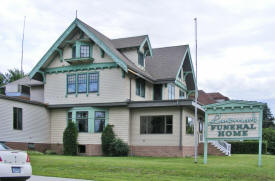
(269, 136)
(70, 139)
(50, 152)
(119, 148)
(107, 138)
(247, 147)
(32, 152)
(112, 146)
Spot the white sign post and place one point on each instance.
(233, 120)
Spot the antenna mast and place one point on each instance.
(22, 52)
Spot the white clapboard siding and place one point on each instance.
(138, 139)
(36, 124)
(112, 88)
(37, 93)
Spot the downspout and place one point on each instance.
(180, 140)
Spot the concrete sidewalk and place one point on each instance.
(43, 178)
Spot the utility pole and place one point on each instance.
(196, 94)
(22, 48)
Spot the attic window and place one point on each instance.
(84, 51)
(140, 59)
(74, 52)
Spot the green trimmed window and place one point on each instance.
(17, 118)
(82, 83)
(74, 52)
(171, 91)
(189, 125)
(82, 121)
(99, 121)
(181, 94)
(71, 83)
(140, 87)
(70, 116)
(93, 82)
(141, 59)
(156, 124)
(84, 51)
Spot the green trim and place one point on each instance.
(73, 60)
(52, 49)
(185, 74)
(43, 75)
(234, 103)
(189, 92)
(82, 67)
(190, 61)
(91, 116)
(102, 45)
(102, 53)
(149, 45)
(60, 52)
(180, 84)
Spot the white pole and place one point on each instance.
(22, 50)
(196, 95)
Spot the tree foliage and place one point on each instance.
(13, 75)
(70, 139)
(268, 118)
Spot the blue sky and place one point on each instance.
(235, 38)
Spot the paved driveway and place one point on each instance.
(42, 178)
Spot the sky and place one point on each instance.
(235, 37)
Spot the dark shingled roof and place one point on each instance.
(217, 96)
(209, 98)
(129, 42)
(165, 62)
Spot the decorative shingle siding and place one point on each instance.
(35, 123)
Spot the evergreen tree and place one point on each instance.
(70, 139)
(268, 118)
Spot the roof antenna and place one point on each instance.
(76, 13)
(22, 51)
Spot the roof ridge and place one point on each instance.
(130, 37)
(172, 46)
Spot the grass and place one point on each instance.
(236, 167)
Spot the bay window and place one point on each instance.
(156, 124)
(99, 121)
(82, 121)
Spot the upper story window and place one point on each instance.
(82, 121)
(141, 59)
(99, 121)
(171, 91)
(17, 118)
(181, 94)
(84, 51)
(93, 82)
(82, 83)
(140, 87)
(71, 82)
(156, 124)
(189, 125)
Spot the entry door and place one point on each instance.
(158, 92)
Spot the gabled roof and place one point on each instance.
(25, 81)
(234, 103)
(217, 95)
(129, 42)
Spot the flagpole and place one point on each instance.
(196, 94)
(22, 50)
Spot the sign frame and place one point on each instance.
(234, 106)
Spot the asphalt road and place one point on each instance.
(42, 178)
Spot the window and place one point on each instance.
(82, 121)
(74, 52)
(93, 82)
(156, 124)
(189, 125)
(70, 117)
(99, 121)
(81, 149)
(17, 118)
(140, 87)
(84, 51)
(71, 84)
(141, 59)
(182, 94)
(82, 83)
(171, 91)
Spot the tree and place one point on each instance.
(70, 139)
(107, 138)
(268, 118)
(2, 82)
(13, 75)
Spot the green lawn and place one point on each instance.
(236, 167)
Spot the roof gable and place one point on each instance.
(101, 40)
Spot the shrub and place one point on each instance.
(112, 146)
(50, 152)
(119, 148)
(107, 138)
(32, 152)
(247, 147)
(70, 139)
(269, 136)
